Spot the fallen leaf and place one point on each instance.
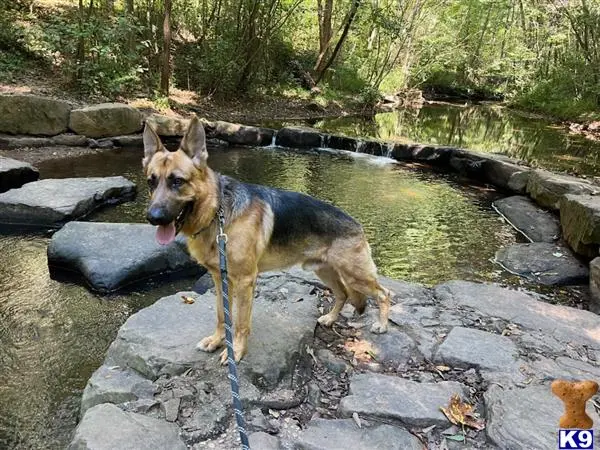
(460, 413)
(274, 413)
(357, 419)
(363, 350)
(188, 300)
(443, 368)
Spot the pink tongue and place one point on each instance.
(165, 234)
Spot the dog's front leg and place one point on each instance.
(243, 295)
(214, 341)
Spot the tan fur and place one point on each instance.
(344, 265)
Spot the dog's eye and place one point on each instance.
(177, 182)
(152, 182)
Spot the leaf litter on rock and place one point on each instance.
(461, 413)
(188, 300)
(363, 350)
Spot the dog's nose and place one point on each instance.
(158, 216)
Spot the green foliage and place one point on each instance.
(542, 55)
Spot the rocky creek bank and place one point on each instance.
(308, 387)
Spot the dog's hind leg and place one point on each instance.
(370, 286)
(358, 300)
(332, 280)
(352, 261)
(216, 340)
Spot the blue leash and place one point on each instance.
(233, 378)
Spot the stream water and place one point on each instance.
(487, 128)
(423, 227)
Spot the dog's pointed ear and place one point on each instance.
(152, 144)
(193, 143)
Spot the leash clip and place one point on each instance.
(222, 236)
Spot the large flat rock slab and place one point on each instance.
(565, 324)
(580, 221)
(30, 114)
(544, 263)
(525, 418)
(547, 188)
(162, 338)
(14, 173)
(155, 351)
(469, 347)
(105, 120)
(536, 224)
(106, 427)
(322, 434)
(110, 256)
(52, 202)
(394, 399)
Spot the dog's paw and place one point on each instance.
(210, 343)
(327, 320)
(238, 355)
(379, 328)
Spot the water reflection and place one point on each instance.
(481, 127)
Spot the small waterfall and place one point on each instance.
(389, 149)
(360, 146)
(324, 144)
(272, 144)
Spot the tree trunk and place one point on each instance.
(349, 19)
(165, 72)
(129, 7)
(325, 34)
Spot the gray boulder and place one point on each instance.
(544, 263)
(105, 120)
(342, 143)
(298, 137)
(322, 434)
(580, 221)
(536, 224)
(106, 427)
(168, 125)
(239, 134)
(547, 188)
(595, 283)
(392, 399)
(133, 254)
(112, 384)
(14, 174)
(30, 114)
(52, 202)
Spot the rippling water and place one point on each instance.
(53, 335)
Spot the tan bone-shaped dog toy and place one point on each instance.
(574, 395)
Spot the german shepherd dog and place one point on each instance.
(267, 229)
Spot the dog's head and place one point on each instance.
(177, 180)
